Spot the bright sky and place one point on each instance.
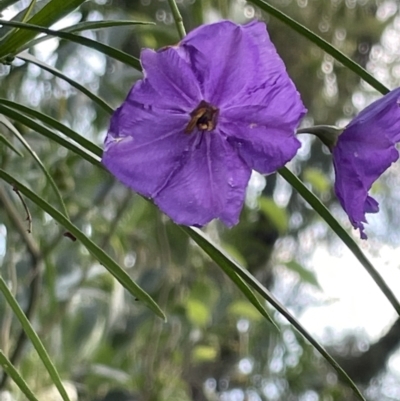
(359, 302)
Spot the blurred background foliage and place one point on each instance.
(215, 345)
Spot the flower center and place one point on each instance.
(204, 117)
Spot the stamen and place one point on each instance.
(204, 117)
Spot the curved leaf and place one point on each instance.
(38, 161)
(83, 26)
(31, 334)
(320, 208)
(94, 249)
(49, 134)
(93, 44)
(48, 15)
(223, 261)
(99, 101)
(88, 145)
(6, 3)
(11, 371)
(323, 44)
(10, 145)
(241, 284)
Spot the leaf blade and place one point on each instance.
(214, 251)
(98, 100)
(320, 208)
(11, 371)
(323, 44)
(93, 44)
(32, 335)
(88, 145)
(48, 15)
(49, 134)
(94, 249)
(38, 161)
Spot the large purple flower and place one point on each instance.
(206, 113)
(364, 150)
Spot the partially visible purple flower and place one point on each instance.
(364, 150)
(206, 113)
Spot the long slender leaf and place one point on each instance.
(243, 287)
(296, 183)
(88, 145)
(87, 25)
(10, 145)
(319, 207)
(247, 292)
(31, 334)
(38, 161)
(24, 17)
(323, 44)
(99, 101)
(11, 371)
(48, 15)
(6, 3)
(93, 44)
(28, 11)
(94, 249)
(29, 122)
(219, 257)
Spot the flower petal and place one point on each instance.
(265, 133)
(211, 183)
(144, 147)
(362, 154)
(168, 81)
(384, 114)
(230, 60)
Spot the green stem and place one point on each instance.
(178, 18)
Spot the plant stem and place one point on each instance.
(178, 18)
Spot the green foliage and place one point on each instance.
(220, 335)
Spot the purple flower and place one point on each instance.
(206, 113)
(364, 150)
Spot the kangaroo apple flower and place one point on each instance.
(207, 112)
(364, 150)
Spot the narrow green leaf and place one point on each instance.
(88, 145)
(320, 208)
(11, 371)
(93, 44)
(11, 127)
(50, 134)
(87, 25)
(24, 15)
(6, 3)
(222, 259)
(94, 249)
(323, 44)
(99, 101)
(31, 334)
(231, 273)
(48, 15)
(10, 145)
(28, 11)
